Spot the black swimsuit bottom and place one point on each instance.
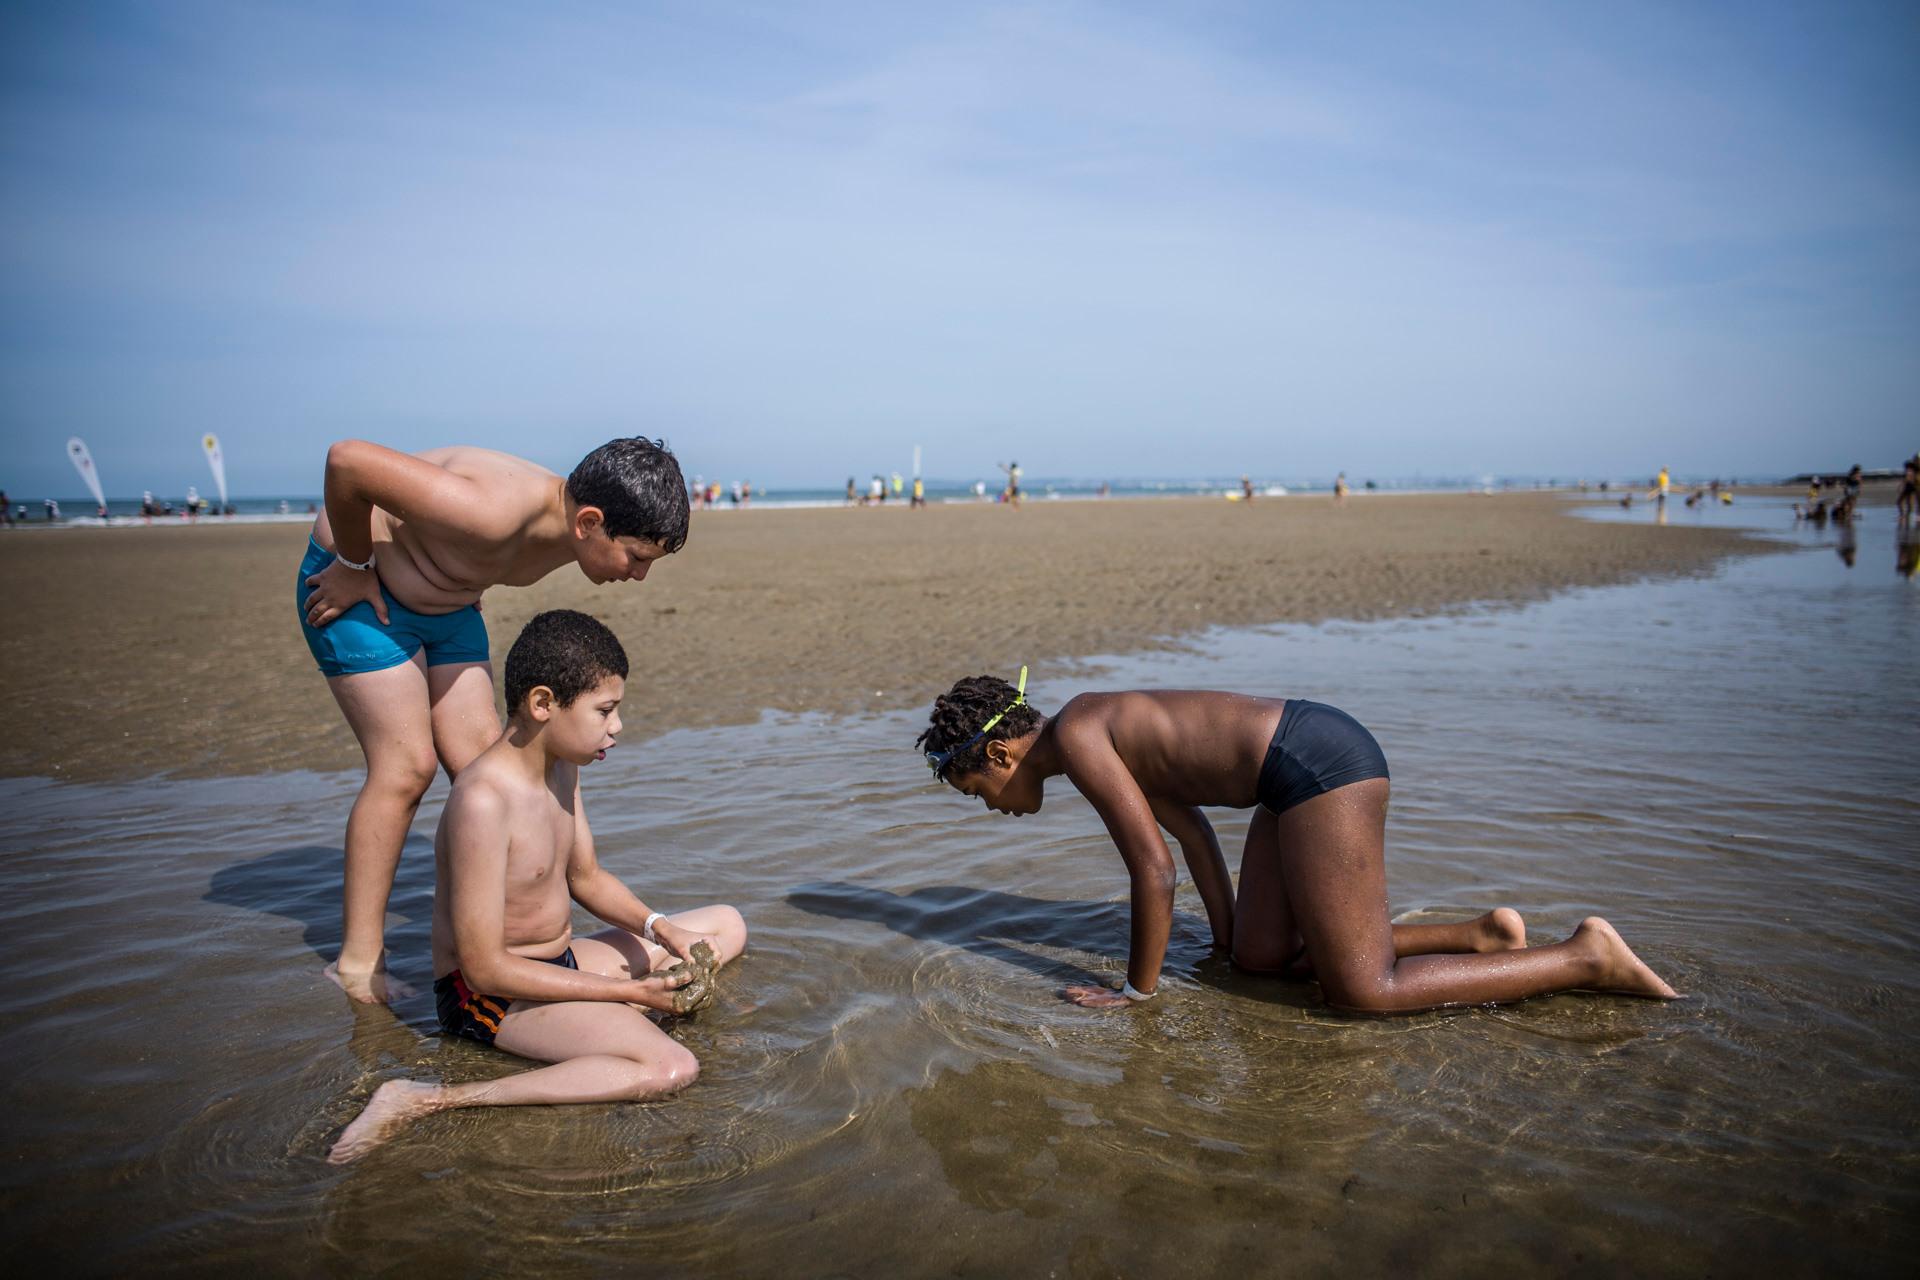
(1315, 749)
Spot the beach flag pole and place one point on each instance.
(83, 463)
(211, 443)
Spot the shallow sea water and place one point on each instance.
(1722, 766)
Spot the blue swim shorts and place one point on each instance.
(355, 642)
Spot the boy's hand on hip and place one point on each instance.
(337, 589)
(1096, 997)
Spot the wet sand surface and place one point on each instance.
(177, 650)
(1721, 765)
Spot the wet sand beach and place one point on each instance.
(176, 650)
(891, 1085)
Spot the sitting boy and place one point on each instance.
(389, 596)
(512, 854)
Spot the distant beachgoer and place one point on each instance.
(1846, 544)
(1011, 494)
(284, 509)
(980, 488)
(1340, 487)
(1246, 488)
(6, 510)
(1906, 504)
(1853, 485)
(1660, 482)
(897, 484)
(1813, 490)
(736, 494)
(390, 606)
(513, 856)
(919, 492)
(1312, 897)
(877, 491)
(53, 509)
(852, 497)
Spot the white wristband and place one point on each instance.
(1130, 993)
(358, 568)
(646, 930)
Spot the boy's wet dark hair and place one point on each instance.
(958, 714)
(638, 487)
(567, 651)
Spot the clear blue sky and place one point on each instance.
(1109, 240)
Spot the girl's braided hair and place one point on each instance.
(959, 713)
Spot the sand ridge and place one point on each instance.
(131, 652)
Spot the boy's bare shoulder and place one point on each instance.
(485, 791)
(516, 490)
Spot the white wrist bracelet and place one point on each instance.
(1131, 993)
(646, 930)
(358, 568)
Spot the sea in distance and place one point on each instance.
(1722, 765)
(80, 511)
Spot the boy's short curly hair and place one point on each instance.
(960, 711)
(567, 651)
(638, 487)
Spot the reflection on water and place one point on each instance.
(891, 1084)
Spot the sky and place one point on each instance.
(1106, 240)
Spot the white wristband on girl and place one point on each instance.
(358, 568)
(1132, 993)
(646, 930)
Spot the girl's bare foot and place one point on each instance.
(394, 1106)
(1619, 969)
(1501, 929)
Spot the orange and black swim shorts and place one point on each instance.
(465, 1012)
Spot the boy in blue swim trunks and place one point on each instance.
(1313, 886)
(513, 854)
(389, 597)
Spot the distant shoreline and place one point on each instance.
(131, 659)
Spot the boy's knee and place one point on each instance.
(404, 776)
(731, 921)
(669, 1073)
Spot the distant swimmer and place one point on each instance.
(514, 860)
(1312, 897)
(389, 596)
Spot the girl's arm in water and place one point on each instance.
(1096, 769)
(1201, 848)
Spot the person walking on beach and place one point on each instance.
(1340, 488)
(1312, 898)
(1011, 494)
(1906, 504)
(389, 596)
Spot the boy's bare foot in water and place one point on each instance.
(372, 986)
(1620, 970)
(1501, 929)
(394, 1106)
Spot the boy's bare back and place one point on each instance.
(506, 839)
(476, 518)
